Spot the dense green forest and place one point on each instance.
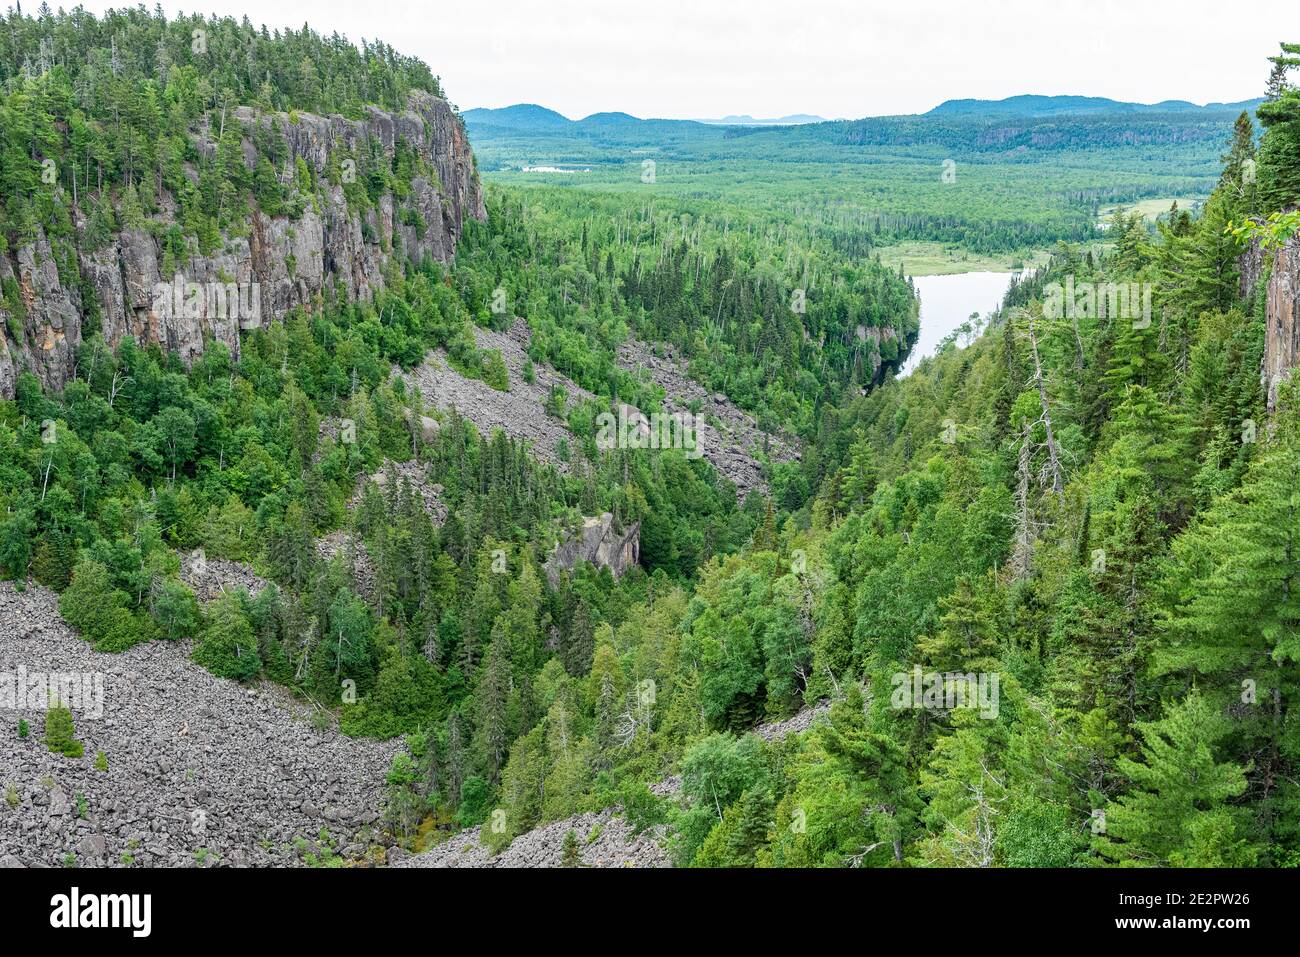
(765, 311)
(985, 184)
(1098, 514)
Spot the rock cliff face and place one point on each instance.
(1282, 310)
(252, 279)
(600, 544)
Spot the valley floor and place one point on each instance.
(938, 259)
(604, 838)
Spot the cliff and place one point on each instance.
(599, 543)
(251, 279)
(1282, 310)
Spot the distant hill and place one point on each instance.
(534, 118)
(1033, 105)
(611, 119)
(531, 136)
(521, 116)
(529, 118)
(744, 119)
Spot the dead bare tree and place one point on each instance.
(1026, 529)
(118, 384)
(1039, 381)
(638, 717)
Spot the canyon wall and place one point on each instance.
(252, 279)
(1282, 309)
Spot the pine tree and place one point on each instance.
(1177, 814)
(752, 827)
(604, 690)
(59, 732)
(1234, 619)
(228, 647)
(491, 695)
(860, 476)
(572, 857)
(1239, 168)
(967, 638)
(580, 646)
(856, 799)
(1279, 148)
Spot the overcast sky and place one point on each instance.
(834, 58)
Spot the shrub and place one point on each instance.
(475, 802)
(571, 856)
(60, 734)
(495, 373)
(101, 612)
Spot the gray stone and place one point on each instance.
(279, 264)
(247, 762)
(599, 543)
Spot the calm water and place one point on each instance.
(948, 301)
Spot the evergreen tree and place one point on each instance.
(59, 732)
(1177, 814)
(228, 647)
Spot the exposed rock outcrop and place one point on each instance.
(1282, 312)
(252, 279)
(875, 335)
(599, 543)
(1281, 309)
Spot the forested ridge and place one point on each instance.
(1096, 511)
(111, 100)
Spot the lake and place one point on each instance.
(948, 301)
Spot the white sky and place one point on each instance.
(835, 58)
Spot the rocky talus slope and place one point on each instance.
(604, 838)
(280, 263)
(209, 577)
(731, 438)
(355, 556)
(200, 770)
(519, 412)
